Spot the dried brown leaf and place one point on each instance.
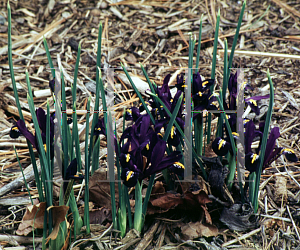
(28, 220)
(166, 201)
(158, 188)
(99, 189)
(191, 201)
(59, 215)
(98, 216)
(194, 230)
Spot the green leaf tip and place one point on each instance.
(218, 13)
(8, 5)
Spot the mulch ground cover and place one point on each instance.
(155, 34)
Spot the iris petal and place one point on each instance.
(220, 146)
(41, 117)
(24, 131)
(177, 168)
(251, 162)
(14, 132)
(274, 134)
(289, 155)
(129, 177)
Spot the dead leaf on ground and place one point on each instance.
(81, 208)
(28, 220)
(166, 201)
(237, 217)
(34, 216)
(194, 230)
(59, 215)
(189, 201)
(158, 188)
(98, 216)
(99, 189)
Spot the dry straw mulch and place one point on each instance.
(155, 33)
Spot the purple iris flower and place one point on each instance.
(138, 133)
(135, 168)
(174, 137)
(164, 92)
(221, 146)
(71, 173)
(100, 129)
(180, 85)
(272, 151)
(201, 94)
(21, 129)
(252, 101)
(132, 113)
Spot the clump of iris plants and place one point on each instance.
(156, 141)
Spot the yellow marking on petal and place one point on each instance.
(289, 151)
(147, 146)
(171, 100)
(45, 147)
(254, 157)
(246, 120)
(178, 165)
(200, 93)
(129, 111)
(184, 86)
(173, 132)
(221, 143)
(76, 175)
(129, 174)
(160, 134)
(204, 83)
(127, 157)
(235, 134)
(253, 102)
(15, 128)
